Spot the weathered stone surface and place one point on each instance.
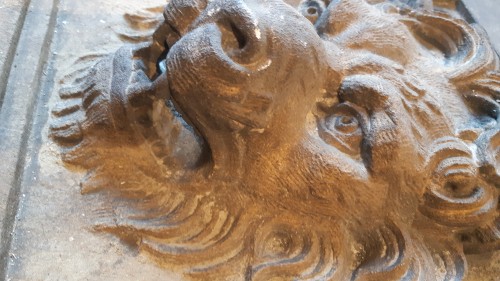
(18, 95)
(53, 232)
(485, 13)
(11, 19)
(12, 13)
(251, 140)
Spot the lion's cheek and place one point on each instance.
(325, 181)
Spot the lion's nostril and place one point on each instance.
(237, 42)
(239, 36)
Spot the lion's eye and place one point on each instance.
(343, 123)
(342, 127)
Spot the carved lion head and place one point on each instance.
(321, 140)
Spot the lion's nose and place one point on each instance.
(180, 14)
(243, 39)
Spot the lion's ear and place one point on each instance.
(482, 96)
(464, 47)
(470, 64)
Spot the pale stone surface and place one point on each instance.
(17, 99)
(11, 19)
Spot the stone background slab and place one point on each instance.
(12, 14)
(26, 31)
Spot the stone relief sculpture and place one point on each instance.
(252, 140)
